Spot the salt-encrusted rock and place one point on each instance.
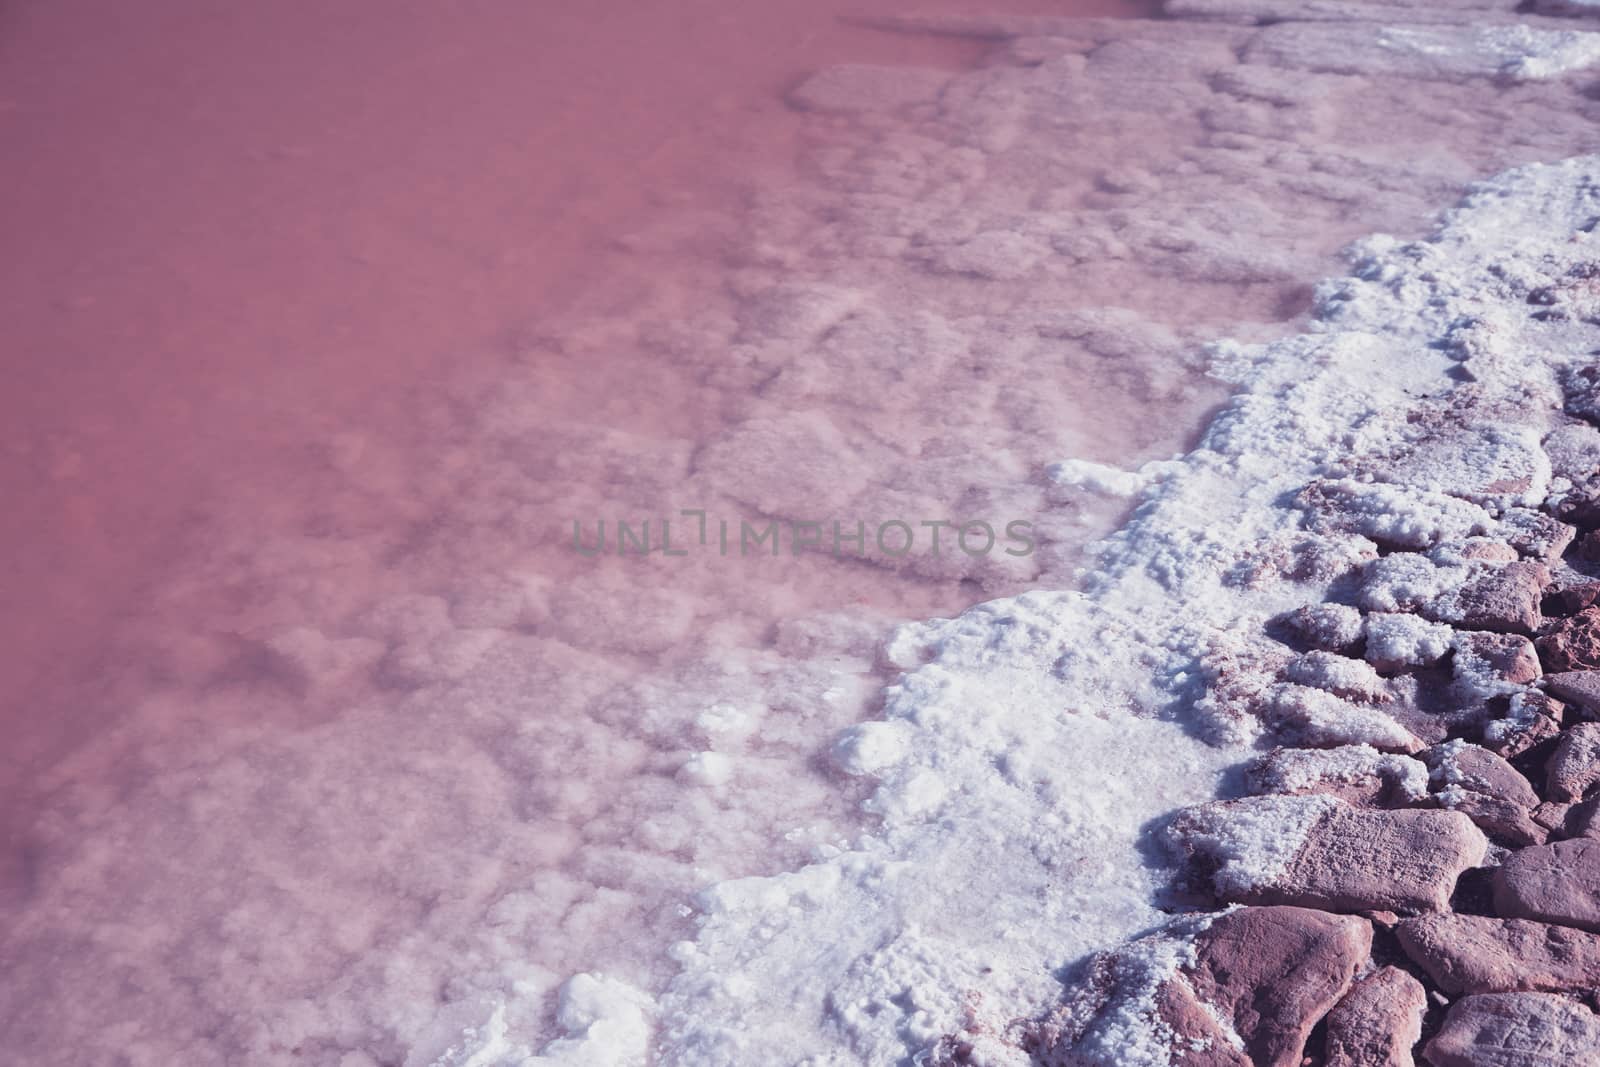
(1328, 627)
(1467, 766)
(1486, 789)
(1378, 1022)
(1573, 644)
(1534, 534)
(1481, 954)
(1504, 599)
(1316, 851)
(1554, 883)
(1581, 388)
(1468, 594)
(1574, 766)
(1392, 516)
(1396, 641)
(1491, 463)
(1516, 1030)
(1352, 679)
(1533, 719)
(1316, 717)
(1247, 989)
(1488, 665)
(1581, 688)
(1445, 53)
(1359, 775)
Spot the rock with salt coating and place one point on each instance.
(1482, 954)
(1378, 1022)
(1486, 789)
(1504, 599)
(1328, 627)
(1555, 883)
(1439, 53)
(1245, 989)
(1396, 641)
(1352, 679)
(1533, 719)
(1574, 766)
(1359, 775)
(1315, 851)
(1534, 534)
(1488, 665)
(1391, 516)
(1316, 717)
(1516, 1030)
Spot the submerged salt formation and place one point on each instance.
(424, 786)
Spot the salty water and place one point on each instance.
(330, 325)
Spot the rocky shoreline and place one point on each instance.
(1411, 870)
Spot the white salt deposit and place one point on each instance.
(428, 787)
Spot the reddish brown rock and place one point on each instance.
(1487, 790)
(1516, 1030)
(1480, 954)
(1378, 1022)
(1534, 719)
(1504, 599)
(1483, 657)
(1579, 820)
(1574, 766)
(1535, 534)
(1573, 644)
(1261, 976)
(1569, 599)
(1555, 883)
(1318, 852)
(1553, 817)
(1274, 972)
(1580, 688)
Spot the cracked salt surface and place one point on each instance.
(420, 765)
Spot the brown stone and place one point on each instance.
(1350, 859)
(1562, 600)
(1511, 737)
(1486, 789)
(1579, 820)
(1274, 972)
(1480, 954)
(1378, 1022)
(1504, 599)
(1554, 883)
(1261, 977)
(1573, 644)
(1516, 1030)
(1483, 656)
(1581, 688)
(1574, 766)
